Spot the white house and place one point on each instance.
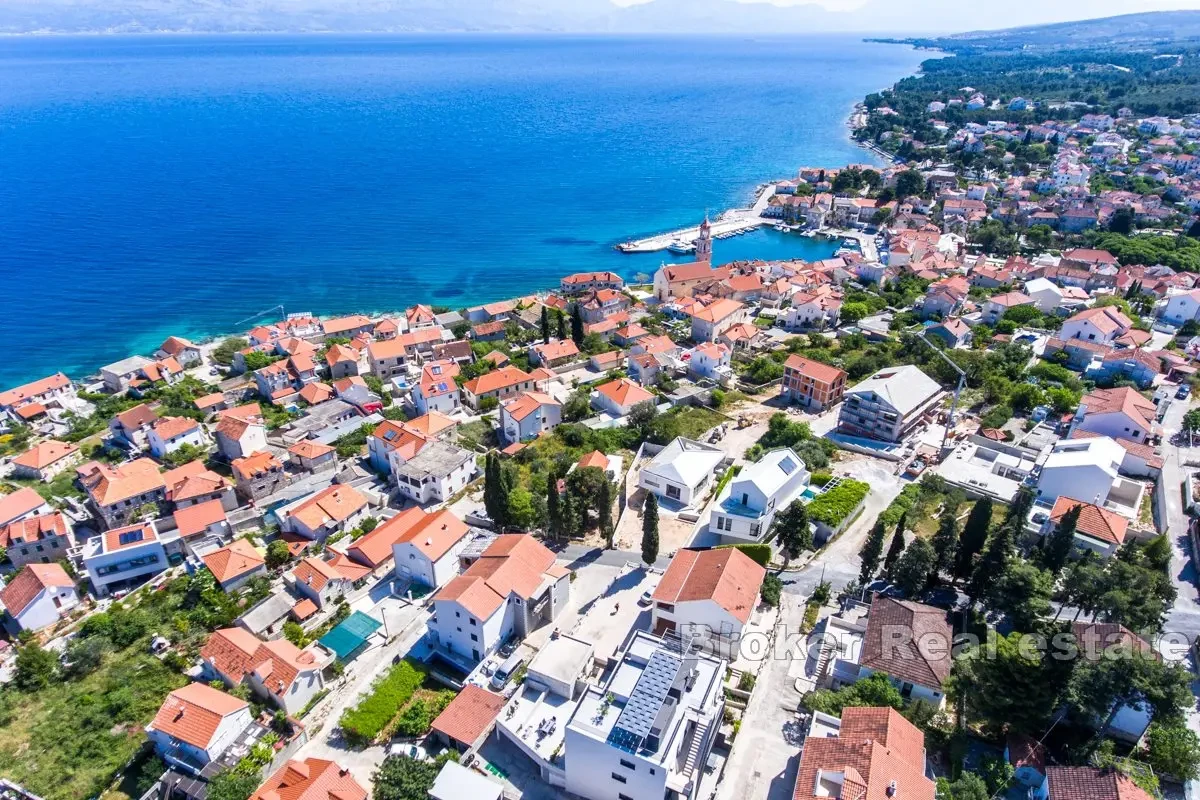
(708, 594)
(169, 434)
(37, 597)
(22, 504)
(681, 470)
(1122, 413)
(1048, 296)
(436, 390)
(1103, 325)
(196, 724)
(748, 504)
(1085, 469)
(436, 473)
(241, 431)
(711, 361)
(528, 416)
(619, 397)
(1182, 307)
(427, 546)
(277, 670)
(714, 319)
(337, 508)
(509, 589)
(996, 306)
(46, 459)
(889, 404)
(123, 556)
(907, 641)
(319, 581)
(647, 733)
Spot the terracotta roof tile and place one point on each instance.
(29, 583)
(469, 715)
(235, 559)
(909, 641)
(726, 576)
(311, 779)
(193, 714)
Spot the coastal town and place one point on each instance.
(915, 520)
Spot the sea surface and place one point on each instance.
(184, 184)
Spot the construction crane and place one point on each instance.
(962, 381)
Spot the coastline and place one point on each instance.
(103, 347)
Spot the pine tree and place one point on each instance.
(1059, 544)
(993, 563)
(577, 326)
(871, 552)
(974, 536)
(945, 542)
(913, 569)
(897, 546)
(561, 322)
(554, 525)
(605, 513)
(650, 529)
(545, 325)
(794, 532)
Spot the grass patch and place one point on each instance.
(835, 505)
(375, 713)
(695, 421)
(477, 434)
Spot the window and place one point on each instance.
(673, 492)
(474, 638)
(628, 764)
(472, 620)
(619, 778)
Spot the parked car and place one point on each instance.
(1182, 392)
(646, 598)
(413, 751)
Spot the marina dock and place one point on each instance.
(731, 223)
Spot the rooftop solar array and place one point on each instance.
(649, 693)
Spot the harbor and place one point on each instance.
(729, 224)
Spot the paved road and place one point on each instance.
(839, 563)
(1184, 616)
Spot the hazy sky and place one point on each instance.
(991, 14)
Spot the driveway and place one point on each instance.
(762, 763)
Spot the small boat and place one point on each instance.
(679, 246)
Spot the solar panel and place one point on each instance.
(649, 694)
(787, 465)
(129, 537)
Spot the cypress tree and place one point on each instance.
(1060, 543)
(545, 325)
(974, 536)
(495, 497)
(577, 326)
(945, 542)
(897, 546)
(871, 552)
(562, 324)
(993, 563)
(605, 513)
(650, 529)
(554, 525)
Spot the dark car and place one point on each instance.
(1182, 392)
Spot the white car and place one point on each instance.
(413, 751)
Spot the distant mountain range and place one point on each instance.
(1146, 30)
(579, 16)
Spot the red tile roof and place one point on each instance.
(1097, 522)
(21, 502)
(33, 529)
(875, 748)
(909, 641)
(727, 576)
(43, 454)
(29, 583)
(1091, 783)
(469, 715)
(197, 518)
(311, 779)
(193, 714)
(512, 564)
(235, 559)
(814, 369)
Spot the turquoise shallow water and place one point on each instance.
(160, 185)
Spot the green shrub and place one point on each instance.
(833, 506)
(771, 589)
(820, 478)
(901, 505)
(365, 721)
(760, 553)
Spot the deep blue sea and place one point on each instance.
(179, 185)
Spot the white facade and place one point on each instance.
(647, 734)
(436, 484)
(1083, 469)
(681, 471)
(46, 609)
(748, 504)
(411, 562)
(545, 417)
(192, 758)
(468, 636)
(1181, 308)
(161, 448)
(108, 565)
(252, 440)
(1046, 294)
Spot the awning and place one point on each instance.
(348, 638)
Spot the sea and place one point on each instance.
(196, 185)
